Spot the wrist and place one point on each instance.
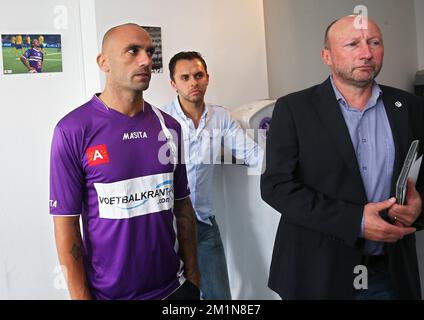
(194, 277)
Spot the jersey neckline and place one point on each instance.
(115, 113)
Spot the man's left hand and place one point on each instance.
(407, 214)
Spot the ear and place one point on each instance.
(173, 85)
(326, 57)
(102, 62)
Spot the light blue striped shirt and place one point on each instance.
(202, 147)
(372, 139)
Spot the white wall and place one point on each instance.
(229, 34)
(90, 48)
(248, 226)
(31, 105)
(295, 31)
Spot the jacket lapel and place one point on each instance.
(397, 113)
(332, 118)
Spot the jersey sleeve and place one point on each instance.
(181, 188)
(66, 176)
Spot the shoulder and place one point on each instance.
(299, 103)
(401, 94)
(171, 109)
(218, 112)
(217, 108)
(77, 120)
(219, 116)
(168, 108)
(302, 96)
(301, 106)
(414, 103)
(170, 121)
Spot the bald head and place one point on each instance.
(352, 21)
(354, 51)
(126, 58)
(114, 33)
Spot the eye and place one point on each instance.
(150, 51)
(184, 77)
(199, 75)
(133, 51)
(351, 44)
(375, 42)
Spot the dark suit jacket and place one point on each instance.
(312, 178)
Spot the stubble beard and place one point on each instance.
(195, 99)
(141, 86)
(359, 82)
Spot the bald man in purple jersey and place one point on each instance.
(138, 226)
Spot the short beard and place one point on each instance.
(349, 78)
(143, 87)
(193, 100)
(197, 100)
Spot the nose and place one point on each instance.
(193, 81)
(144, 59)
(366, 52)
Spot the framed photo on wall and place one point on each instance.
(31, 53)
(156, 35)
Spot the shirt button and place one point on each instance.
(364, 140)
(365, 168)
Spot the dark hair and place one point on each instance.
(326, 42)
(185, 55)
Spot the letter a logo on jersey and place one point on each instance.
(97, 155)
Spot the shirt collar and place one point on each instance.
(375, 95)
(181, 113)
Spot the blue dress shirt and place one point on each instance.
(372, 139)
(202, 150)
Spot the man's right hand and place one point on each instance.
(377, 229)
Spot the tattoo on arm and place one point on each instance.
(77, 251)
(186, 225)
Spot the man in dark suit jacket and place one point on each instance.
(334, 152)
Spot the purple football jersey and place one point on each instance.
(105, 166)
(35, 58)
